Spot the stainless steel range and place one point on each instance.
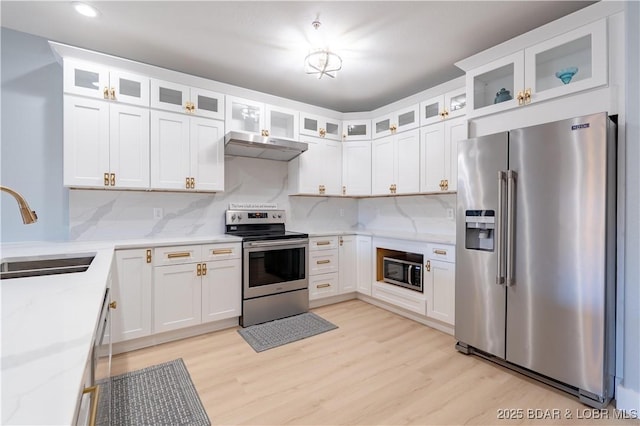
(275, 283)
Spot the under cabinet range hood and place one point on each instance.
(242, 144)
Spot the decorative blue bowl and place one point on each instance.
(566, 74)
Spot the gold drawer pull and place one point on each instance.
(322, 262)
(199, 269)
(204, 269)
(222, 251)
(323, 243)
(323, 285)
(178, 255)
(148, 256)
(442, 252)
(94, 403)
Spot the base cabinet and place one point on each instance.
(177, 295)
(440, 283)
(221, 290)
(132, 290)
(364, 264)
(348, 259)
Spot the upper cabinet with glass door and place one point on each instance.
(101, 82)
(250, 116)
(356, 130)
(571, 62)
(175, 97)
(323, 127)
(449, 105)
(397, 121)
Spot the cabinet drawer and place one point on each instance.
(398, 296)
(176, 255)
(221, 251)
(444, 252)
(322, 262)
(323, 285)
(323, 243)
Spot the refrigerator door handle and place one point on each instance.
(511, 199)
(500, 269)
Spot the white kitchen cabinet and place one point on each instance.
(396, 122)
(324, 278)
(440, 283)
(187, 153)
(221, 290)
(101, 82)
(439, 155)
(364, 264)
(106, 145)
(318, 170)
(396, 164)
(250, 116)
(322, 127)
(348, 261)
(177, 296)
(530, 74)
(174, 97)
(448, 105)
(356, 130)
(356, 168)
(133, 292)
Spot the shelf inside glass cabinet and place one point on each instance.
(576, 53)
(488, 84)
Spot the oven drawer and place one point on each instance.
(175, 255)
(212, 252)
(323, 286)
(323, 243)
(323, 262)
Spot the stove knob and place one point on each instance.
(233, 217)
(274, 215)
(239, 216)
(279, 216)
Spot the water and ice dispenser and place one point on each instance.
(479, 229)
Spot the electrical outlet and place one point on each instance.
(158, 213)
(450, 213)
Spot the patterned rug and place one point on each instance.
(286, 330)
(159, 395)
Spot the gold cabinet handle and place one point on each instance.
(264, 132)
(178, 255)
(344, 190)
(322, 132)
(113, 305)
(187, 183)
(113, 179)
(193, 183)
(323, 243)
(442, 252)
(393, 128)
(204, 269)
(325, 285)
(148, 256)
(527, 96)
(106, 179)
(105, 93)
(520, 98)
(445, 185)
(322, 262)
(94, 403)
(322, 189)
(428, 265)
(221, 251)
(112, 94)
(199, 269)
(341, 241)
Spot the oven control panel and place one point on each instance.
(248, 217)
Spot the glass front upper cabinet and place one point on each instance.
(283, 123)
(356, 130)
(318, 126)
(244, 115)
(396, 122)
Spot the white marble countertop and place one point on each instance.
(409, 236)
(48, 324)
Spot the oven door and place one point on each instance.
(274, 266)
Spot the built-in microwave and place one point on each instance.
(405, 271)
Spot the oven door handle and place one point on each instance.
(272, 243)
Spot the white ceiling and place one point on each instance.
(390, 49)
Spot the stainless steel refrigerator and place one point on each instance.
(535, 252)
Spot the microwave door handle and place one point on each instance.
(409, 272)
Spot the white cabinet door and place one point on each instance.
(356, 168)
(169, 96)
(129, 88)
(170, 151)
(207, 103)
(222, 290)
(319, 169)
(348, 264)
(455, 103)
(129, 146)
(381, 126)
(432, 158)
(86, 142)
(244, 115)
(454, 131)
(323, 261)
(317, 126)
(207, 154)
(364, 264)
(177, 294)
(440, 290)
(331, 166)
(407, 157)
(356, 130)
(86, 79)
(323, 285)
(282, 122)
(407, 118)
(382, 165)
(431, 110)
(132, 291)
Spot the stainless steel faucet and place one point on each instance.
(28, 215)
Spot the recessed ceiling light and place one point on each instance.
(85, 9)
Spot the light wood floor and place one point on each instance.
(376, 368)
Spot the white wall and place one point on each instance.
(31, 154)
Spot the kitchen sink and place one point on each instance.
(36, 266)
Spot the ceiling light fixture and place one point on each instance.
(85, 9)
(322, 61)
